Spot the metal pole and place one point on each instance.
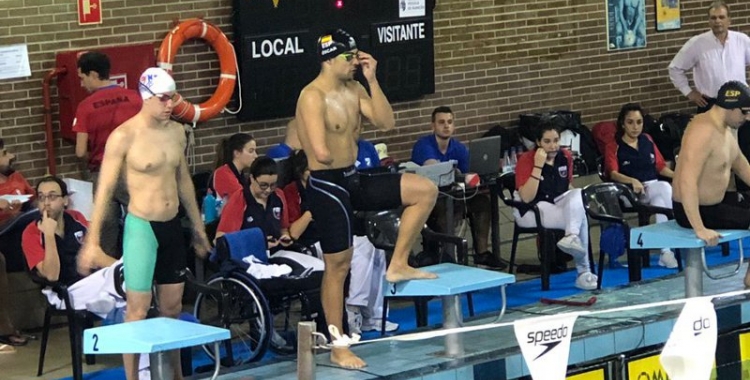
(495, 219)
(306, 351)
(452, 318)
(160, 366)
(693, 272)
(217, 362)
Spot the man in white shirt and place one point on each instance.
(715, 57)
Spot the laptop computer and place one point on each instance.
(484, 156)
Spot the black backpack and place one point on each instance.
(667, 132)
(509, 137)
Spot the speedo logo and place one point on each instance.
(549, 338)
(700, 324)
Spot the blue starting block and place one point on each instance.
(152, 336)
(453, 280)
(670, 235)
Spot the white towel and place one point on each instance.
(261, 270)
(96, 292)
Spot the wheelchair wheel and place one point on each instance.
(247, 317)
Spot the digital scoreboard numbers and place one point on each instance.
(275, 44)
(405, 54)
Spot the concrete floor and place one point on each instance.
(23, 364)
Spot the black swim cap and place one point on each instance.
(734, 94)
(330, 45)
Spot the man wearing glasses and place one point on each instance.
(148, 150)
(108, 106)
(329, 115)
(51, 246)
(708, 156)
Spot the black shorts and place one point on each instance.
(726, 215)
(334, 195)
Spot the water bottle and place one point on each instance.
(220, 203)
(209, 207)
(513, 158)
(506, 163)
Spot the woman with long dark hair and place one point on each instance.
(544, 177)
(635, 160)
(233, 155)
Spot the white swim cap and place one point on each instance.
(156, 81)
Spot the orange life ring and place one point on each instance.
(196, 28)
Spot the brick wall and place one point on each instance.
(494, 60)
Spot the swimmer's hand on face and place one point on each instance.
(368, 65)
(711, 237)
(201, 246)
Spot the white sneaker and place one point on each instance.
(354, 319)
(571, 245)
(374, 325)
(586, 281)
(667, 259)
(277, 339)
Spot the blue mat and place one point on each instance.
(488, 301)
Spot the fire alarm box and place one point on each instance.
(127, 63)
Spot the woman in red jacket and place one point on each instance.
(234, 154)
(634, 159)
(543, 178)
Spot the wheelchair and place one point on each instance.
(249, 307)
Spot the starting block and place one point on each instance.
(152, 336)
(453, 280)
(670, 235)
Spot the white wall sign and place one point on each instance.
(411, 8)
(14, 61)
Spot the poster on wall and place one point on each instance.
(411, 8)
(626, 24)
(667, 15)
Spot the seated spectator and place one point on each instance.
(544, 177)
(302, 228)
(11, 183)
(635, 160)
(291, 143)
(233, 155)
(9, 336)
(258, 205)
(440, 146)
(51, 247)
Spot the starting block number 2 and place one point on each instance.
(95, 337)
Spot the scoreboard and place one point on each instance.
(275, 44)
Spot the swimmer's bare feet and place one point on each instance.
(747, 278)
(404, 273)
(345, 358)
